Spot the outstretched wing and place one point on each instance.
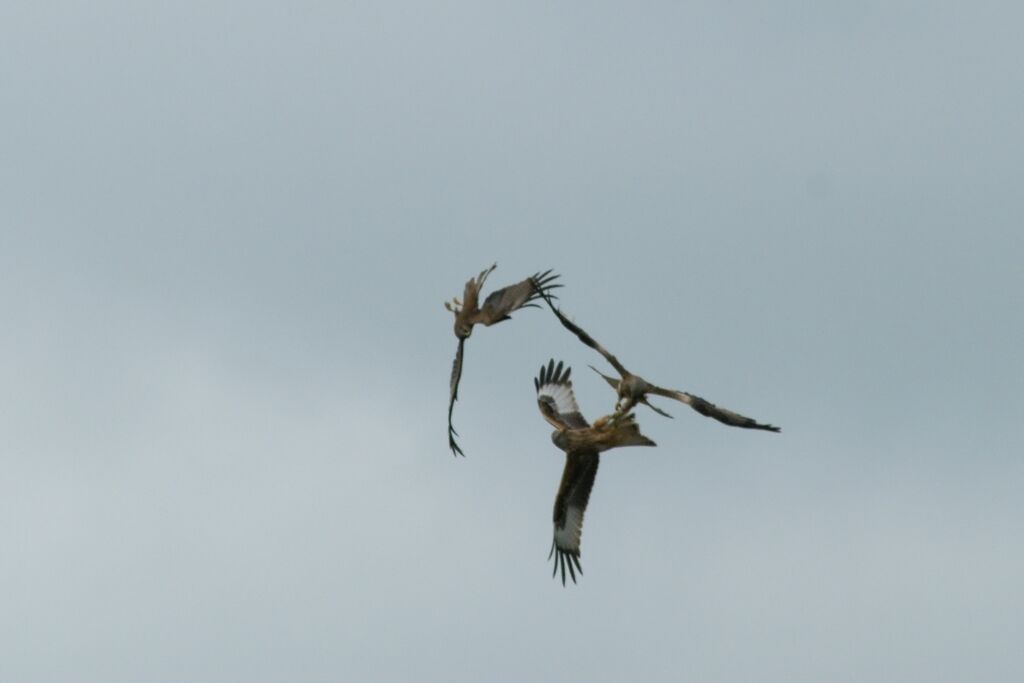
(500, 303)
(570, 505)
(555, 398)
(585, 338)
(454, 389)
(709, 409)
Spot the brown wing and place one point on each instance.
(555, 398)
(709, 409)
(500, 303)
(471, 292)
(584, 337)
(570, 506)
(454, 389)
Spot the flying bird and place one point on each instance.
(497, 307)
(582, 444)
(632, 389)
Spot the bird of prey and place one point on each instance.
(633, 389)
(497, 307)
(582, 444)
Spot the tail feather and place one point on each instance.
(628, 434)
(636, 439)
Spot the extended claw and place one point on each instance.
(621, 410)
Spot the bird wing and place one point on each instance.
(555, 398)
(570, 505)
(471, 292)
(454, 389)
(709, 409)
(500, 303)
(584, 337)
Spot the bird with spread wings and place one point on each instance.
(582, 444)
(496, 308)
(633, 389)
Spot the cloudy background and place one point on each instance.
(226, 232)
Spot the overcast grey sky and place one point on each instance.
(227, 232)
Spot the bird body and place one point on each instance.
(583, 443)
(632, 389)
(607, 433)
(496, 308)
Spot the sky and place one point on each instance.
(226, 234)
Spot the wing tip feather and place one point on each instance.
(452, 444)
(565, 559)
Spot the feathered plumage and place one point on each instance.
(497, 307)
(632, 389)
(582, 444)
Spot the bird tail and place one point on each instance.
(627, 433)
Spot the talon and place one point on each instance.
(617, 415)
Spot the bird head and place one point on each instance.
(462, 328)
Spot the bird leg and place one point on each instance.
(623, 406)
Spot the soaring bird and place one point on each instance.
(633, 389)
(582, 444)
(497, 307)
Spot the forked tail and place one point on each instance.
(627, 433)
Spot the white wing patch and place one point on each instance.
(568, 537)
(561, 394)
(555, 397)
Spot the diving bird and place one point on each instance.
(497, 307)
(582, 444)
(632, 389)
